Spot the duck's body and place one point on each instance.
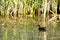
(41, 28)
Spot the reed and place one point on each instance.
(19, 22)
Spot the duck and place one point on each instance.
(40, 28)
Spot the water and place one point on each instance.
(28, 30)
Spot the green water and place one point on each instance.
(28, 32)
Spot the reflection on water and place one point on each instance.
(27, 30)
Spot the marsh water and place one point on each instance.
(27, 30)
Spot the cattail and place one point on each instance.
(17, 12)
(0, 13)
(36, 12)
(11, 15)
(58, 10)
(50, 13)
